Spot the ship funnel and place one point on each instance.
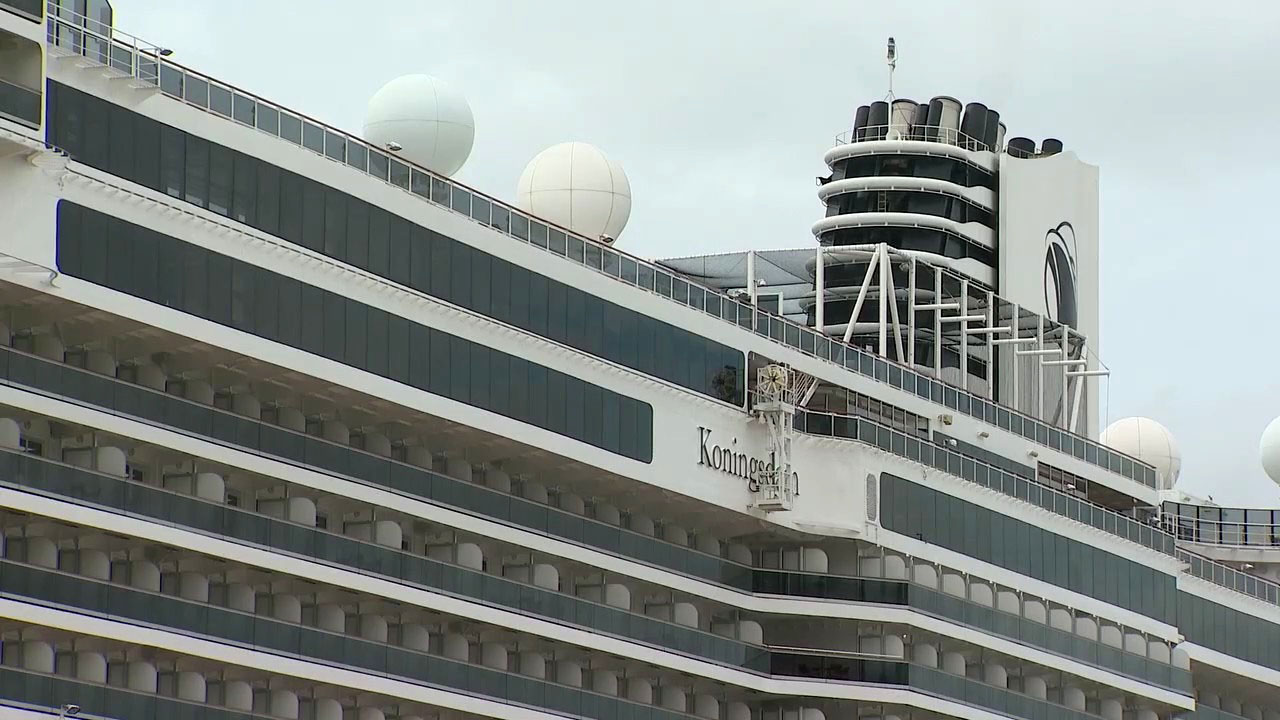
(1021, 147)
(949, 122)
(877, 120)
(934, 119)
(973, 125)
(860, 122)
(919, 120)
(992, 130)
(900, 122)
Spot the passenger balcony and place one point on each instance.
(21, 70)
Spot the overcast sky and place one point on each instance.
(720, 113)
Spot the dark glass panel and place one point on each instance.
(335, 225)
(244, 109)
(313, 215)
(312, 137)
(291, 204)
(268, 119)
(220, 100)
(269, 199)
(221, 171)
(291, 128)
(358, 234)
(173, 167)
(399, 173)
(379, 242)
(196, 188)
(438, 375)
(401, 255)
(304, 212)
(378, 164)
(357, 335)
(244, 194)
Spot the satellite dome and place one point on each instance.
(1270, 449)
(422, 120)
(577, 186)
(1148, 441)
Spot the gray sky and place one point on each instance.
(720, 113)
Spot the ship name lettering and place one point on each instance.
(730, 461)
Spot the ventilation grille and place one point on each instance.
(873, 499)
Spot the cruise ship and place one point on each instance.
(294, 426)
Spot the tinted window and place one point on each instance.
(941, 519)
(919, 239)
(234, 293)
(924, 203)
(340, 226)
(1230, 631)
(939, 168)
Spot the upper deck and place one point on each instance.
(147, 66)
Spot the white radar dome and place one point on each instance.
(422, 120)
(577, 186)
(1270, 448)
(1148, 441)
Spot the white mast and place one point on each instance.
(891, 58)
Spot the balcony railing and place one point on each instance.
(33, 373)
(1038, 634)
(1231, 527)
(19, 104)
(147, 64)
(33, 689)
(1224, 575)
(922, 133)
(59, 380)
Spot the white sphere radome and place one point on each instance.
(430, 122)
(1270, 450)
(1148, 441)
(577, 186)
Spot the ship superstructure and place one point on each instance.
(295, 426)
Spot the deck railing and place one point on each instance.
(922, 133)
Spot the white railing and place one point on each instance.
(71, 33)
(1241, 533)
(1262, 533)
(1230, 578)
(922, 133)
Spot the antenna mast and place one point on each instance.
(891, 57)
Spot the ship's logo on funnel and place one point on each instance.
(1060, 301)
